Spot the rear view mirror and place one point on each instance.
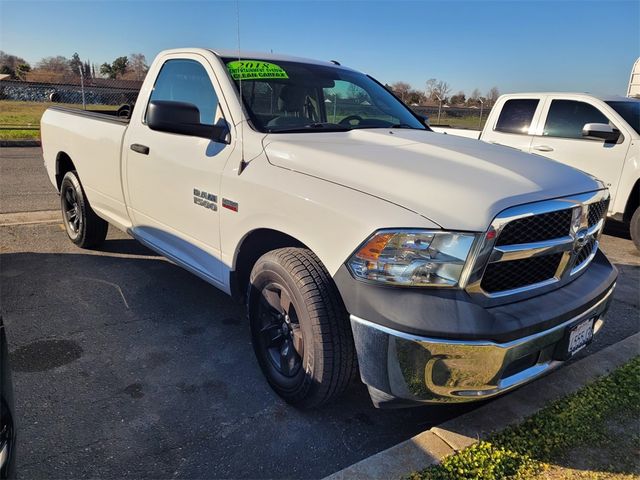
(602, 131)
(184, 119)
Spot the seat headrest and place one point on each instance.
(291, 98)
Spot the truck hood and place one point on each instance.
(458, 183)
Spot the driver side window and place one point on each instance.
(184, 80)
(567, 117)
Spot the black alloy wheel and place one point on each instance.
(300, 328)
(281, 335)
(83, 226)
(71, 211)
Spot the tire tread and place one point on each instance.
(337, 365)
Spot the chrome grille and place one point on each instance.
(502, 276)
(536, 247)
(536, 228)
(584, 253)
(597, 211)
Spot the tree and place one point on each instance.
(58, 64)
(106, 70)
(22, 70)
(492, 95)
(473, 98)
(117, 68)
(75, 64)
(12, 65)
(437, 90)
(430, 88)
(442, 90)
(138, 67)
(458, 99)
(415, 97)
(401, 89)
(86, 69)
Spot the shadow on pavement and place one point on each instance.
(133, 367)
(127, 246)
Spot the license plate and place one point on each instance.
(580, 336)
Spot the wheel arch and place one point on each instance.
(252, 246)
(64, 164)
(633, 202)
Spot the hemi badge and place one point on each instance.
(231, 205)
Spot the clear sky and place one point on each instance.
(514, 45)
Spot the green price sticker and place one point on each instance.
(255, 70)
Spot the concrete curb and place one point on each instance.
(428, 448)
(20, 143)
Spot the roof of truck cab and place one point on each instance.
(604, 98)
(271, 57)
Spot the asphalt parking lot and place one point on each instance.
(125, 365)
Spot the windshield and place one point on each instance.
(629, 110)
(301, 97)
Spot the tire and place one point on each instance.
(634, 228)
(83, 226)
(300, 328)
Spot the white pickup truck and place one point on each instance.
(599, 135)
(441, 269)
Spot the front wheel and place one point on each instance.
(300, 328)
(634, 228)
(83, 226)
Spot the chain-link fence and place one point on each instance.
(462, 117)
(80, 93)
(22, 103)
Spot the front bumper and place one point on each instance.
(522, 341)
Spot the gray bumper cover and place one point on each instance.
(522, 341)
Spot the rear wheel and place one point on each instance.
(83, 226)
(634, 228)
(300, 329)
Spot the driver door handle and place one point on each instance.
(543, 148)
(143, 149)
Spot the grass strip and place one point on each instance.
(523, 451)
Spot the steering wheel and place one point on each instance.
(347, 120)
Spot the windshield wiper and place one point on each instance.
(325, 127)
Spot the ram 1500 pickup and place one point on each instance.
(440, 269)
(600, 135)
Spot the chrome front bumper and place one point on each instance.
(401, 368)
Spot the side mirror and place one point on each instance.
(184, 119)
(423, 118)
(602, 131)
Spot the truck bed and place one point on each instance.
(107, 115)
(92, 140)
(460, 132)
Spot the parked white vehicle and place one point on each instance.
(443, 269)
(599, 135)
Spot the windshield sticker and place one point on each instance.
(254, 69)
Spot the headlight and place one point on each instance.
(413, 258)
